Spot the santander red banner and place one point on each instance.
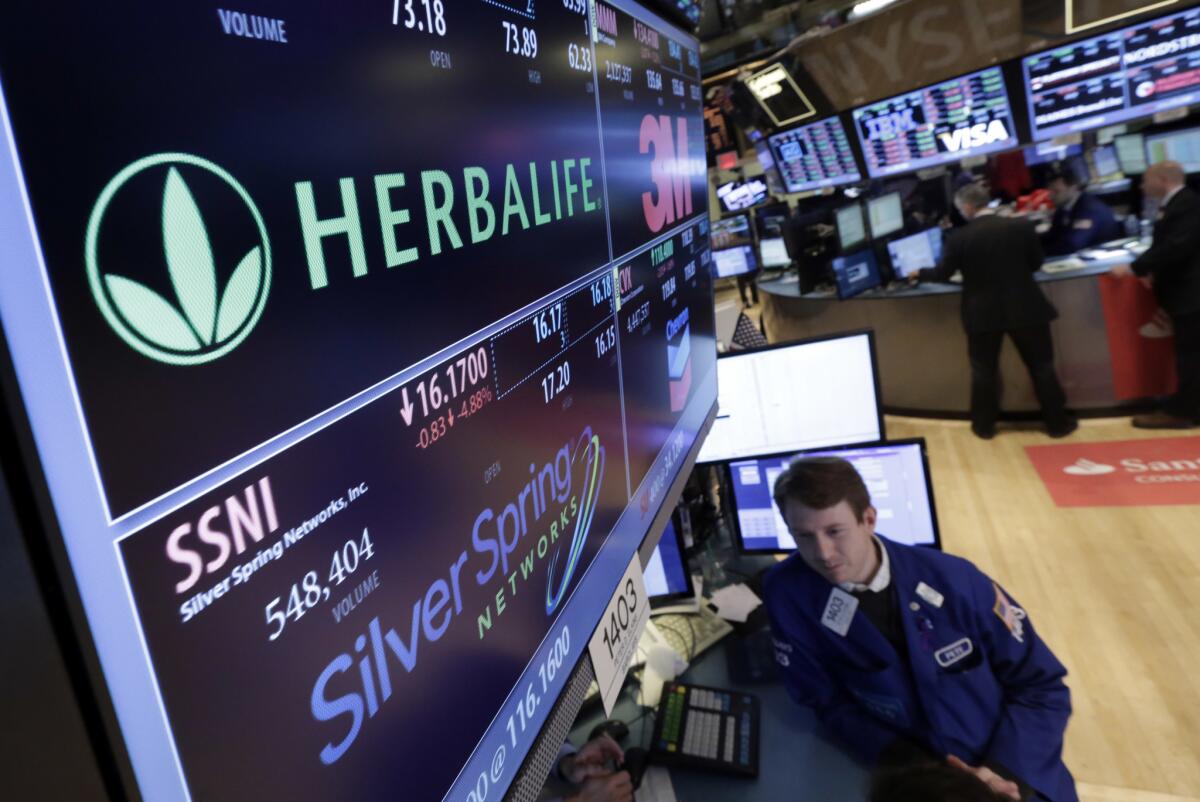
(1125, 473)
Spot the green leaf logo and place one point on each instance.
(203, 321)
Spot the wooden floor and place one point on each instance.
(1114, 591)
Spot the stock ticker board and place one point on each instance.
(360, 347)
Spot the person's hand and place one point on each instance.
(593, 760)
(993, 780)
(613, 788)
(1120, 271)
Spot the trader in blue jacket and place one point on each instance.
(1080, 220)
(908, 654)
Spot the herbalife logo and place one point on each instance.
(1085, 467)
(199, 320)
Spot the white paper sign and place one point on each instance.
(616, 638)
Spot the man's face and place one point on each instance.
(832, 541)
(1061, 192)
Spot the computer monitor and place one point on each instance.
(896, 475)
(852, 230)
(1180, 146)
(937, 124)
(916, 252)
(808, 394)
(1123, 74)
(1105, 165)
(737, 196)
(731, 231)
(736, 261)
(886, 215)
(814, 156)
(1047, 152)
(303, 512)
(668, 580)
(774, 252)
(1131, 153)
(855, 273)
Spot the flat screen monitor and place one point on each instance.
(916, 252)
(736, 261)
(809, 394)
(1105, 164)
(1131, 153)
(1047, 152)
(731, 231)
(855, 273)
(779, 95)
(1127, 73)
(774, 252)
(937, 124)
(324, 484)
(1180, 146)
(896, 475)
(886, 215)
(728, 160)
(737, 196)
(852, 229)
(815, 156)
(667, 577)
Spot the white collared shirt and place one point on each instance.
(883, 577)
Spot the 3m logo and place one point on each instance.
(198, 320)
(1085, 467)
(670, 170)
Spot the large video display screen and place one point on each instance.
(359, 348)
(945, 122)
(1122, 75)
(815, 156)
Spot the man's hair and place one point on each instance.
(1171, 170)
(930, 782)
(1068, 175)
(822, 482)
(973, 195)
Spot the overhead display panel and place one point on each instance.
(815, 156)
(651, 108)
(351, 392)
(944, 122)
(1132, 72)
(780, 96)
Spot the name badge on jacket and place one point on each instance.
(839, 611)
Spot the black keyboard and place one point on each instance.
(707, 728)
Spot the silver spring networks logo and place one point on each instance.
(203, 321)
(590, 455)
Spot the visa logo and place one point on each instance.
(976, 136)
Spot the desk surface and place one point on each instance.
(1062, 269)
(798, 760)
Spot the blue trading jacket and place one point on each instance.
(976, 682)
(1089, 222)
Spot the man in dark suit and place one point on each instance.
(997, 257)
(1080, 220)
(1172, 266)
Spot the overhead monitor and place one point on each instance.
(779, 95)
(855, 273)
(807, 394)
(728, 160)
(318, 398)
(774, 252)
(941, 123)
(815, 156)
(1127, 73)
(896, 475)
(1047, 152)
(732, 262)
(1105, 164)
(667, 577)
(731, 231)
(914, 253)
(886, 215)
(1131, 153)
(737, 196)
(852, 229)
(1179, 146)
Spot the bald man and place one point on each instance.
(1172, 265)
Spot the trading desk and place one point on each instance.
(922, 350)
(798, 758)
